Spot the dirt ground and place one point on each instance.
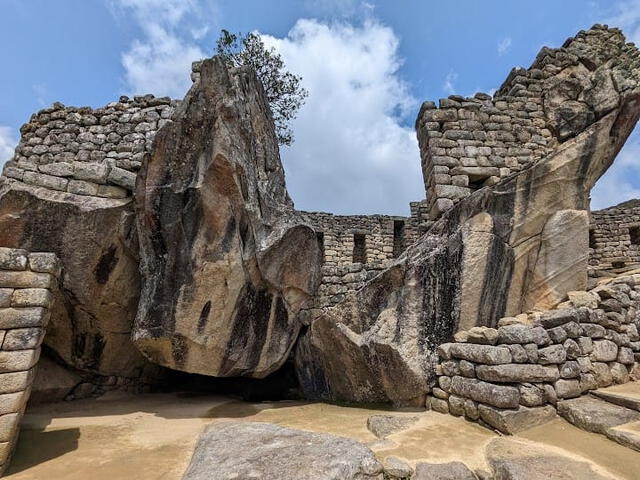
(151, 437)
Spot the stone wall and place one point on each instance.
(85, 151)
(512, 377)
(358, 247)
(468, 143)
(26, 284)
(614, 239)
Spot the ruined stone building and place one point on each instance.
(156, 235)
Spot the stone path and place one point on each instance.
(596, 414)
(154, 435)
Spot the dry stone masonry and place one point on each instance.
(94, 152)
(512, 377)
(614, 239)
(468, 143)
(27, 285)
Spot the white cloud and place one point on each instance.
(627, 17)
(352, 152)
(7, 144)
(449, 83)
(504, 46)
(622, 180)
(160, 61)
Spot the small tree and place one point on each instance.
(283, 89)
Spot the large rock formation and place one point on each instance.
(520, 244)
(226, 261)
(95, 241)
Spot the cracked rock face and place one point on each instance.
(94, 238)
(226, 262)
(519, 245)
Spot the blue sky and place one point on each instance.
(367, 64)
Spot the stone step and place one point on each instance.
(627, 395)
(618, 423)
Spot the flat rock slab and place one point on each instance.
(516, 420)
(627, 395)
(518, 460)
(594, 415)
(627, 435)
(443, 471)
(263, 451)
(384, 425)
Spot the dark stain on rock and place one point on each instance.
(249, 331)
(106, 264)
(204, 315)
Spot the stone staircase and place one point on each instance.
(613, 412)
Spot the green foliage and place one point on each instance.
(283, 89)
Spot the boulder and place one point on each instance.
(265, 451)
(95, 240)
(226, 262)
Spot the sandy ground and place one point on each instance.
(151, 437)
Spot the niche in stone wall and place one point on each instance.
(592, 239)
(320, 240)
(359, 248)
(398, 238)
(634, 234)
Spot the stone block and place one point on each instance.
(625, 356)
(456, 405)
(57, 169)
(5, 297)
(583, 299)
(15, 381)
(570, 369)
(604, 351)
(12, 259)
(46, 181)
(567, 388)
(497, 395)
(588, 382)
(12, 402)
(602, 373)
(31, 297)
(23, 338)
(92, 172)
(82, 187)
(122, 178)
(515, 421)
(9, 426)
(18, 360)
(517, 373)
(22, 317)
(552, 354)
(44, 262)
(452, 192)
(518, 353)
(619, 373)
(531, 395)
(439, 405)
(486, 354)
(482, 335)
(593, 330)
(555, 318)
(24, 280)
(516, 333)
